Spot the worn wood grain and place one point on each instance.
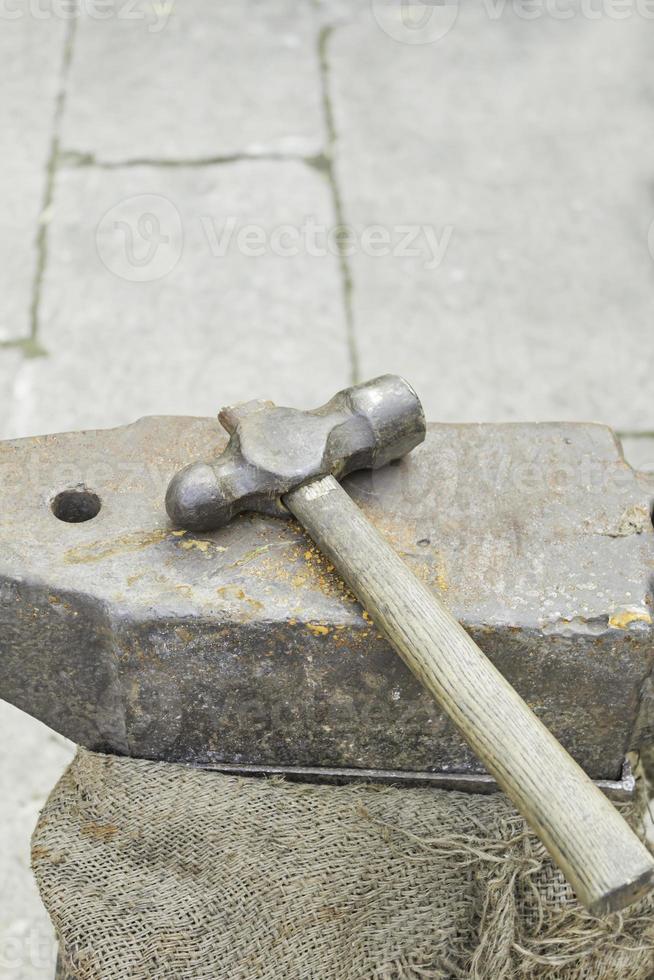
(604, 861)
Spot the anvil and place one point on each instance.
(242, 649)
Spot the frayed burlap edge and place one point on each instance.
(152, 870)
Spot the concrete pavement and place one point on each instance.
(177, 179)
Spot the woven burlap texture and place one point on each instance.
(151, 870)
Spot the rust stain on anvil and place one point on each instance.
(100, 551)
(623, 620)
(245, 646)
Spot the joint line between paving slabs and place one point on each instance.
(75, 158)
(31, 346)
(325, 163)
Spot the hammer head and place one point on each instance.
(274, 450)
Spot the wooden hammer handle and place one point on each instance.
(606, 864)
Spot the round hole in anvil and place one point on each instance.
(76, 506)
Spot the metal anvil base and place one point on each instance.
(241, 647)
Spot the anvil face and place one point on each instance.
(242, 646)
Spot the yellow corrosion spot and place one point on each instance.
(318, 629)
(178, 534)
(250, 555)
(622, 620)
(231, 592)
(199, 545)
(366, 617)
(299, 581)
(235, 592)
(441, 579)
(98, 551)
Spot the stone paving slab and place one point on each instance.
(195, 79)
(11, 360)
(31, 53)
(32, 761)
(639, 452)
(526, 146)
(157, 301)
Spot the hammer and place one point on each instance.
(280, 460)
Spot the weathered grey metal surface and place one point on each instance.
(241, 647)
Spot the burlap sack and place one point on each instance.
(158, 871)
